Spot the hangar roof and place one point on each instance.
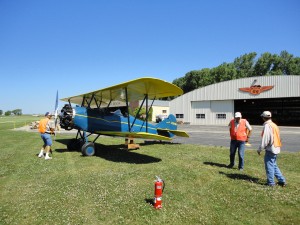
(278, 86)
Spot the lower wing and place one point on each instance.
(142, 135)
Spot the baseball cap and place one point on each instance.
(48, 114)
(266, 114)
(237, 114)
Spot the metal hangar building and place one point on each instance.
(216, 104)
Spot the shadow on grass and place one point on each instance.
(150, 201)
(238, 176)
(116, 153)
(215, 164)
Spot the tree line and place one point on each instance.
(247, 65)
(16, 112)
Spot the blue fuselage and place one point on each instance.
(96, 120)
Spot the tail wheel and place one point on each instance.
(88, 149)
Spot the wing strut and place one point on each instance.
(138, 112)
(146, 96)
(127, 106)
(89, 104)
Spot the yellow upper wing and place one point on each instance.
(136, 90)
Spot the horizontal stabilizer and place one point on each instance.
(179, 133)
(142, 135)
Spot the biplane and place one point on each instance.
(106, 112)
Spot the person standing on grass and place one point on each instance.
(46, 129)
(240, 131)
(271, 142)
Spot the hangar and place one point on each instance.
(215, 104)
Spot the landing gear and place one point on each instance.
(88, 149)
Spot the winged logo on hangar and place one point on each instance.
(256, 89)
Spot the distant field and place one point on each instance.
(11, 122)
(116, 186)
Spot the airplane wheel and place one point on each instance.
(88, 149)
(74, 144)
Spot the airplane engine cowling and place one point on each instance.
(66, 117)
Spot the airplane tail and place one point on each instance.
(168, 123)
(168, 128)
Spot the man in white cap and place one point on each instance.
(46, 129)
(271, 142)
(240, 131)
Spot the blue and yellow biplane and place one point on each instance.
(93, 113)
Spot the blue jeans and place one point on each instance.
(272, 169)
(47, 139)
(240, 145)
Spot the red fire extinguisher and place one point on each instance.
(159, 187)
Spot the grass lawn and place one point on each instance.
(116, 186)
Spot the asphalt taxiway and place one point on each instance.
(219, 136)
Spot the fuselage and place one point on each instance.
(97, 120)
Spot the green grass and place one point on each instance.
(115, 186)
(11, 122)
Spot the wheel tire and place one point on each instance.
(88, 149)
(74, 144)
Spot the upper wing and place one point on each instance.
(135, 89)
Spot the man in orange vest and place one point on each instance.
(46, 129)
(240, 131)
(271, 142)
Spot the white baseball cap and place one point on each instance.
(237, 114)
(266, 114)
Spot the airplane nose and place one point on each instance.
(66, 117)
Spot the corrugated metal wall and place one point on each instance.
(220, 97)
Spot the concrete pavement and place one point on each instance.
(219, 136)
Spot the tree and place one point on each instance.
(294, 66)
(7, 113)
(263, 65)
(282, 63)
(1, 112)
(191, 81)
(179, 82)
(245, 64)
(224, 72)
(17, 112)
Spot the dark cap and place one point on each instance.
(48, 114)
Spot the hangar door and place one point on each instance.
(211, 112)
(222, 112)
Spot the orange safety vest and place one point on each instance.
(239, 133)
(43, 125)
(276, 135)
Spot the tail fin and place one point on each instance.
(168, 123)
(168, 128)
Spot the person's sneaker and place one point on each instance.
(270, 185)
(282, 184)
(230, 166)
(41, 155)
(48, 157)
(241, 169)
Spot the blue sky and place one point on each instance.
(79, 46)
